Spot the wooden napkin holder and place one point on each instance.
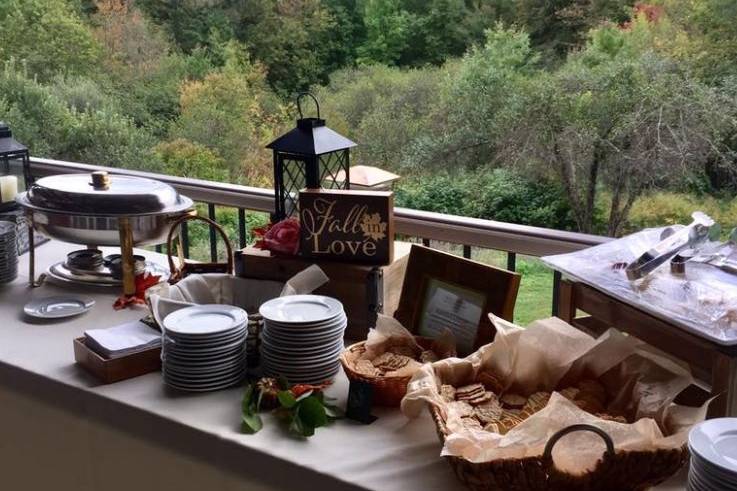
(110, 370)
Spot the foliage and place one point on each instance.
(303, 408)
(233, 113)
(48, 36)
(500, 194)
(184, 158)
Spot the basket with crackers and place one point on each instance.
(389, 358)
(605, 406)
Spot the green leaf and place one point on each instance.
(333, 412)
(251, 423)
(283, 383)
(248, 397)
(305, 395)
(286, 399)
(312, 413)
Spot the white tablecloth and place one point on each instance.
(61, 429)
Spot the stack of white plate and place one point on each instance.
(204, 347)
(302, 337)
(713, 446)
(8, 252)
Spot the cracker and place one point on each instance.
(480, 399)
(594, 389)
(515, 401)
(448, 392)
(366, 368)
(471, 423)
(469, 389)
(570, 393)
(490, 382)
(536, 402)
(463, 409)
(428, 356)
(488, 412)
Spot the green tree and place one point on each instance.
(49, 36)
(232, 112)
(184, 158)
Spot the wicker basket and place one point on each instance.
(388, 391)
(616, 471)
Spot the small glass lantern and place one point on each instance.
(309, 156)
(11, 153)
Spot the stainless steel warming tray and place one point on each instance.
(86, 209)
(100, 209)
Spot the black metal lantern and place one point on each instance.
(12, 152)
(309, 156)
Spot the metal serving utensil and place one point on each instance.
(689, 236)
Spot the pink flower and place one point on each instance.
(279, 238)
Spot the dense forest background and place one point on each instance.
(594, 115)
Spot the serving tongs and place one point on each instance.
(672, 241)
(720, 259)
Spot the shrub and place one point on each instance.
(498, 194)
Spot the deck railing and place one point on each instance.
(471, 233)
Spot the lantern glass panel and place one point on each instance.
(294, 178)
(330, 166)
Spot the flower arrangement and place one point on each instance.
(280, 238)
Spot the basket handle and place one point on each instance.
(179, 273)
(548, 452)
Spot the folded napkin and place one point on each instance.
(114, 342)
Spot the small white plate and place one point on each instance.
(715, 441)
(300, 309)
(204, 320)
(58, 306)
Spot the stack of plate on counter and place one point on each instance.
(713, 446)
(302, 337)
(204, 347)
(8, 252)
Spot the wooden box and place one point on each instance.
(110, 370)
(363, 290)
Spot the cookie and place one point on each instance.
(469, 391)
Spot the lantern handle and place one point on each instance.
(299, 105)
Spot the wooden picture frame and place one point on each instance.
(435, 276)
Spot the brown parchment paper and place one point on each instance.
(548, 354)
(389, 332)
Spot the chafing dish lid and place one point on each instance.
(101, 193)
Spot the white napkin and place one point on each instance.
(122, 340)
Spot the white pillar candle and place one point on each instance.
(8, 188)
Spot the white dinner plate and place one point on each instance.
(297, 335)
(304, 377)
(298, 350)
(206, 387)
(205, 320)
(199, 351)
(207, 341)
(329, 353)
(187, 366)
(298, 309)
(307, 326)
(58, 306)
(302, 368)
(203, 378)
(715, 441)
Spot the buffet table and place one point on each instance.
(61, 429)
